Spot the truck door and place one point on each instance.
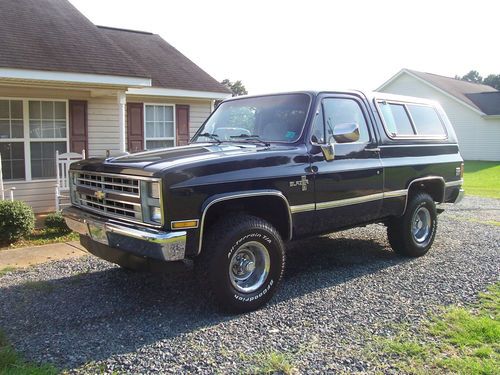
(349, 188)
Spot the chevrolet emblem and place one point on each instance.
(100, 195)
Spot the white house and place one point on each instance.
(473, 109)
(69, 85)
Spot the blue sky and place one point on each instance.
(292, 45)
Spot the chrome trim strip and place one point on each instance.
(184, 221)
(454, 183)
(395, 193)
(116, 175)
(172, 245)
(244, 195)
(303, 208)
(349, 201)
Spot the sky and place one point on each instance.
(279, 45)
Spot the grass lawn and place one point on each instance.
(482, 178)
(11, 363)
(460, 340)
(42, 237)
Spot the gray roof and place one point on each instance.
(53, 35)
(482, 97)
(167, 66)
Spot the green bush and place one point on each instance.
(56, 221)
(17, 220)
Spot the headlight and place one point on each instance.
(151, 202)
(156, 214)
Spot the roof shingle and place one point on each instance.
(482, 97)
(53, 35)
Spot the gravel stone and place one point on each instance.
(86, 315)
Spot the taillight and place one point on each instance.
(459, 171)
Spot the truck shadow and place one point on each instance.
(95, 314)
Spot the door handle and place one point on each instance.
(375, 149)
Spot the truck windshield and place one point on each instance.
(273, 118)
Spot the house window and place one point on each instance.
(47, 123)
(11, 139)
(159, 124)
(31, 131)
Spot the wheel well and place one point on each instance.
(270, 208)
(433, 187)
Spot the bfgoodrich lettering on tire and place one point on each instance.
(241, 262)
(413, 234)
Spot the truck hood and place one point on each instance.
(148, 162)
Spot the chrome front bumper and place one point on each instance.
(140, 241)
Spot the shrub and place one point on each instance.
(56, 221)
(17, 220)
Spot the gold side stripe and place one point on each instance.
(454, 183)
(302, 208)
(347, 202)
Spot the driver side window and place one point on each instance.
(335, 111)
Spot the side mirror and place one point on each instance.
(345, 133)
(328, 150)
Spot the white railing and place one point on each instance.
(2, 188)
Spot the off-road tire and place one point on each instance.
(399, 230)
(221, 244)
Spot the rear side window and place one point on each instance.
(401, 119)
(426, 119)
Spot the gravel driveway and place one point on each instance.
(338, 290)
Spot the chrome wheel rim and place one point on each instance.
(249, 267)
(421, 224)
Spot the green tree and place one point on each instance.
(493, 80)
(237, 87)
(473, 76)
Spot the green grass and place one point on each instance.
(459, 340)
(5, 270)
(11, 363)
(43, 237)
(269, 362)
(482, 178)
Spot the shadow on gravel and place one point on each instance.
(92, 316)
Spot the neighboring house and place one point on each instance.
(68, 85)
(473, 109)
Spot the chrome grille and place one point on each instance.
(115, 196)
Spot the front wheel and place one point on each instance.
(413, 234)
(242, 262)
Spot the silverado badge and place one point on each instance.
(302, 182)
(100, 195)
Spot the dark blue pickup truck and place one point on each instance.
(264, 170)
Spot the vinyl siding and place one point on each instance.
(478, 137)
(38, 194)
(104, 133)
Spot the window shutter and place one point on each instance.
(78, 126)
(135, 127)
(182, 124)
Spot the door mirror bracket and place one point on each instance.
(328, 149)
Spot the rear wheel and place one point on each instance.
(413, 233)
(242, 261)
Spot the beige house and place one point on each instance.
(473, 109)
(69, 85)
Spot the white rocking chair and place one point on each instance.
(2, 189)
(62, 168)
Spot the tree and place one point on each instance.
(473, 76)
(237, 88)
(493, 80)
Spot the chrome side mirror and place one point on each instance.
(346, 133)
(328, 150)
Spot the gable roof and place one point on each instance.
(483, 98)
(53, 36)
(166, 65)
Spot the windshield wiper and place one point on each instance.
(254, 138)
(213, 136)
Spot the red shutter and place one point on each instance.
(78, 126)
(182, 124)
(135, 127)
